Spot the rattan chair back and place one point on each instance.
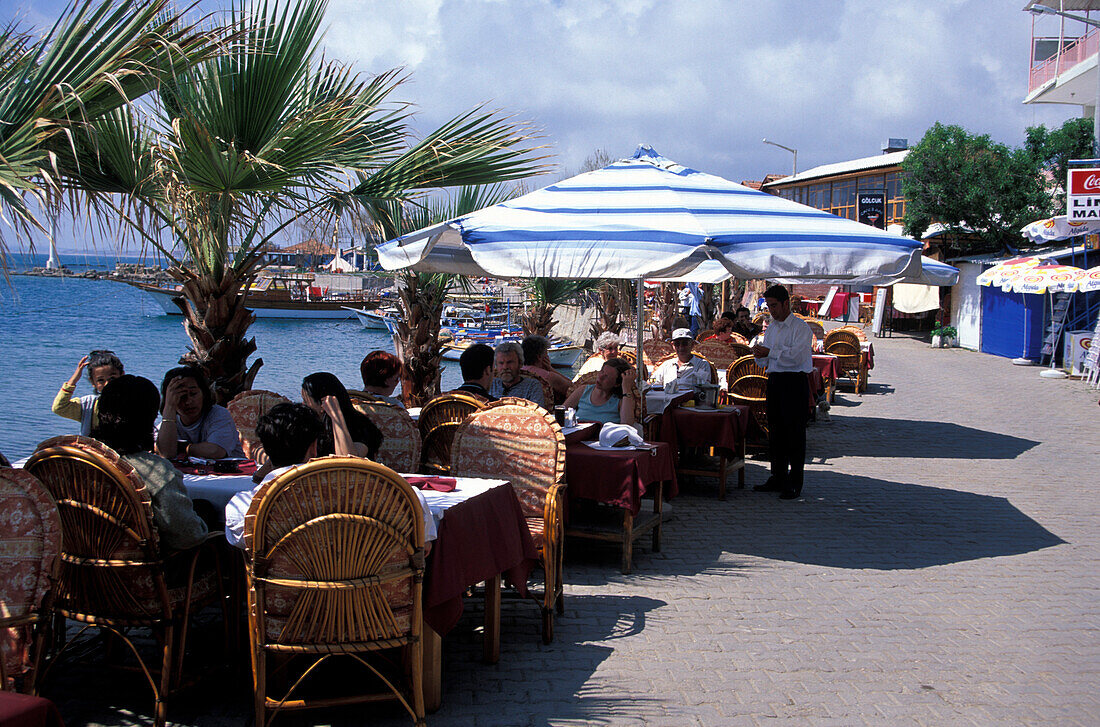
(246, 408)
(335, 552)
(816, 328)
(704, 334)
(548, 399)
(655, 351)
(742, 350)
(720, 353)
(516, 440)
(738, 339)
(439, 419)
(744, 366)
(400, 449)
(857, 330)
(30, 540)
(113, 574)
(751, 390)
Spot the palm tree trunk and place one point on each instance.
(538, 320)
(417, 338)
(216, 319)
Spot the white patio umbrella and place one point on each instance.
(1049, 279)
(649, 217)
(1057, 228)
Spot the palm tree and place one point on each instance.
(246, 143)
(97, 57)
(421, 295)
(547, 294)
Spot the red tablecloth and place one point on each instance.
(23, 710)
(839, 307)
(691, 427)
(618, 477)
(826, 366)
(869, 356)
(477, 539)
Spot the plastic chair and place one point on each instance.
(30, 539)
(438, 421)
(114, 575)
(335, 551)
(517, 440)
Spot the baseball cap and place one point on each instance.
(682, 333)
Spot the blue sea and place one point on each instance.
(47, 324)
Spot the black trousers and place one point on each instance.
(788, 405)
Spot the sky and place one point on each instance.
(701, 81)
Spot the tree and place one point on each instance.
(970, 184)
(244, 144)
(421, 295)
(546, 295)
(96, 58)
(1054, 148)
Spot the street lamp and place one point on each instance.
(792, 151)
(1044, 10)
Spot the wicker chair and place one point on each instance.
(438, 421)
(246, 408)
(742, 350)
(30, 539)
(335, 551)
(751, 390)
(548, 397)
(737, 339)
(704, 334)
(517, 440)
(114, 574)
(857, 330)
(743, 367)
(720, 353)
(817, 329)
(400, 448)
(844, 344)
(654, 351)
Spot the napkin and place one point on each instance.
(432, 482)
(619, 435)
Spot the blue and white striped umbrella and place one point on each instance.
(649, 217)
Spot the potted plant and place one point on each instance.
(937, 335)
(943, 336)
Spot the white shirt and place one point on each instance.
(238, 508)
(789, 346)
(695, 371)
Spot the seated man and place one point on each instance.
(743, 324)
(476, 363)
(507, 360)
(536, 354)
(685, 368)
(289, 433)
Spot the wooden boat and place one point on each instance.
(279, 297)
(562, 355)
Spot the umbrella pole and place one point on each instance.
(638, 340)
(1052, 373)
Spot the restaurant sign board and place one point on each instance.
(871, 209)
(1083, 200)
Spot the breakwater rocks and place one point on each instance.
(122, 271)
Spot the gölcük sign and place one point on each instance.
(1083, 200)
(871, 209)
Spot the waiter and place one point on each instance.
(785, 352)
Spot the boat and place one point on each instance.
(373, 320)
(278, 297)
(562, 355)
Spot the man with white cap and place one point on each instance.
(685, 368)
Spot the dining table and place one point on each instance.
(618, 477)
(826, 366)
(24, 710)
(482, 537)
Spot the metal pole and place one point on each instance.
(638, 341)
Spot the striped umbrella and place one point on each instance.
(648, 217)
(1044, 279)
(1059, 228)
(997, 275)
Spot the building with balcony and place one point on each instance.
(1063, 66)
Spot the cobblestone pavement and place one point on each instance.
(941, 568)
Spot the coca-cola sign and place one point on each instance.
(1083, 200)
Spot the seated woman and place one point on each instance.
(607, 348)
(127, 410)
(604, 400)
(381, 373)
(723, 327)
(348, 432)
(192, 425)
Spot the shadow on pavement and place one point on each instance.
(843, 521)
(877, 437)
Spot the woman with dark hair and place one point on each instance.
(192, 425)
(604, 401)
(127, 411)
(347, 430)
(381, 371)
